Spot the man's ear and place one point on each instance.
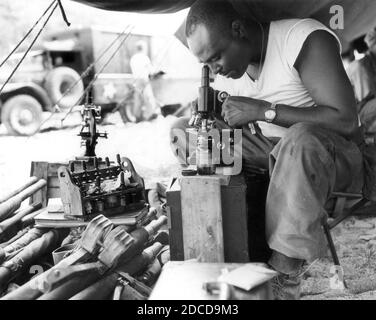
(238, 30)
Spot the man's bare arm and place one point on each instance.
(321, 70)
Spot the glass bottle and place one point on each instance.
(205, 163)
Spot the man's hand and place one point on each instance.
(239, 111)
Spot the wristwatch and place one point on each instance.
(270, 113)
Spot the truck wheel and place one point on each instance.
(58, 81)
(22, 114)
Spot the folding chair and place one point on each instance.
(340, 213)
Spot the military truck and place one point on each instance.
(49, 70)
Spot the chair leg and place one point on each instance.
(337, 280)
(332, 248)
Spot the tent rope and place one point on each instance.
(89, 86)
(27, 34)
(63, 13)
(29, 48)
(83, 75)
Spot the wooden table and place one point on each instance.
(183, 280)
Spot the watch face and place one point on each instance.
(270, 115)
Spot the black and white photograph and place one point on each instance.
(184, 155)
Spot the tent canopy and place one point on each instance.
(359, 15)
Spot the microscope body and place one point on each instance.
(210, 140)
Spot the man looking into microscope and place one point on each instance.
(287, 76)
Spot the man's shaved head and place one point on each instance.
(216, 15)
(219, 37)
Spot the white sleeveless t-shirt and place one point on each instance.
(279, 82)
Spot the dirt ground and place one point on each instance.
(355, 241)
(147, 145)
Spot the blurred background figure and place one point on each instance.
(142, 70)
(362, 74)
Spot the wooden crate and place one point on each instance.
(47, 171)
(222, 234)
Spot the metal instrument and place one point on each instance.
(89, 134)
(203, 120)
(109, 189)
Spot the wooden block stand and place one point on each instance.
(208, 219)
(202, 218)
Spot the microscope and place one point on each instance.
(210, 142)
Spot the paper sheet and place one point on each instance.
(248, 276)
